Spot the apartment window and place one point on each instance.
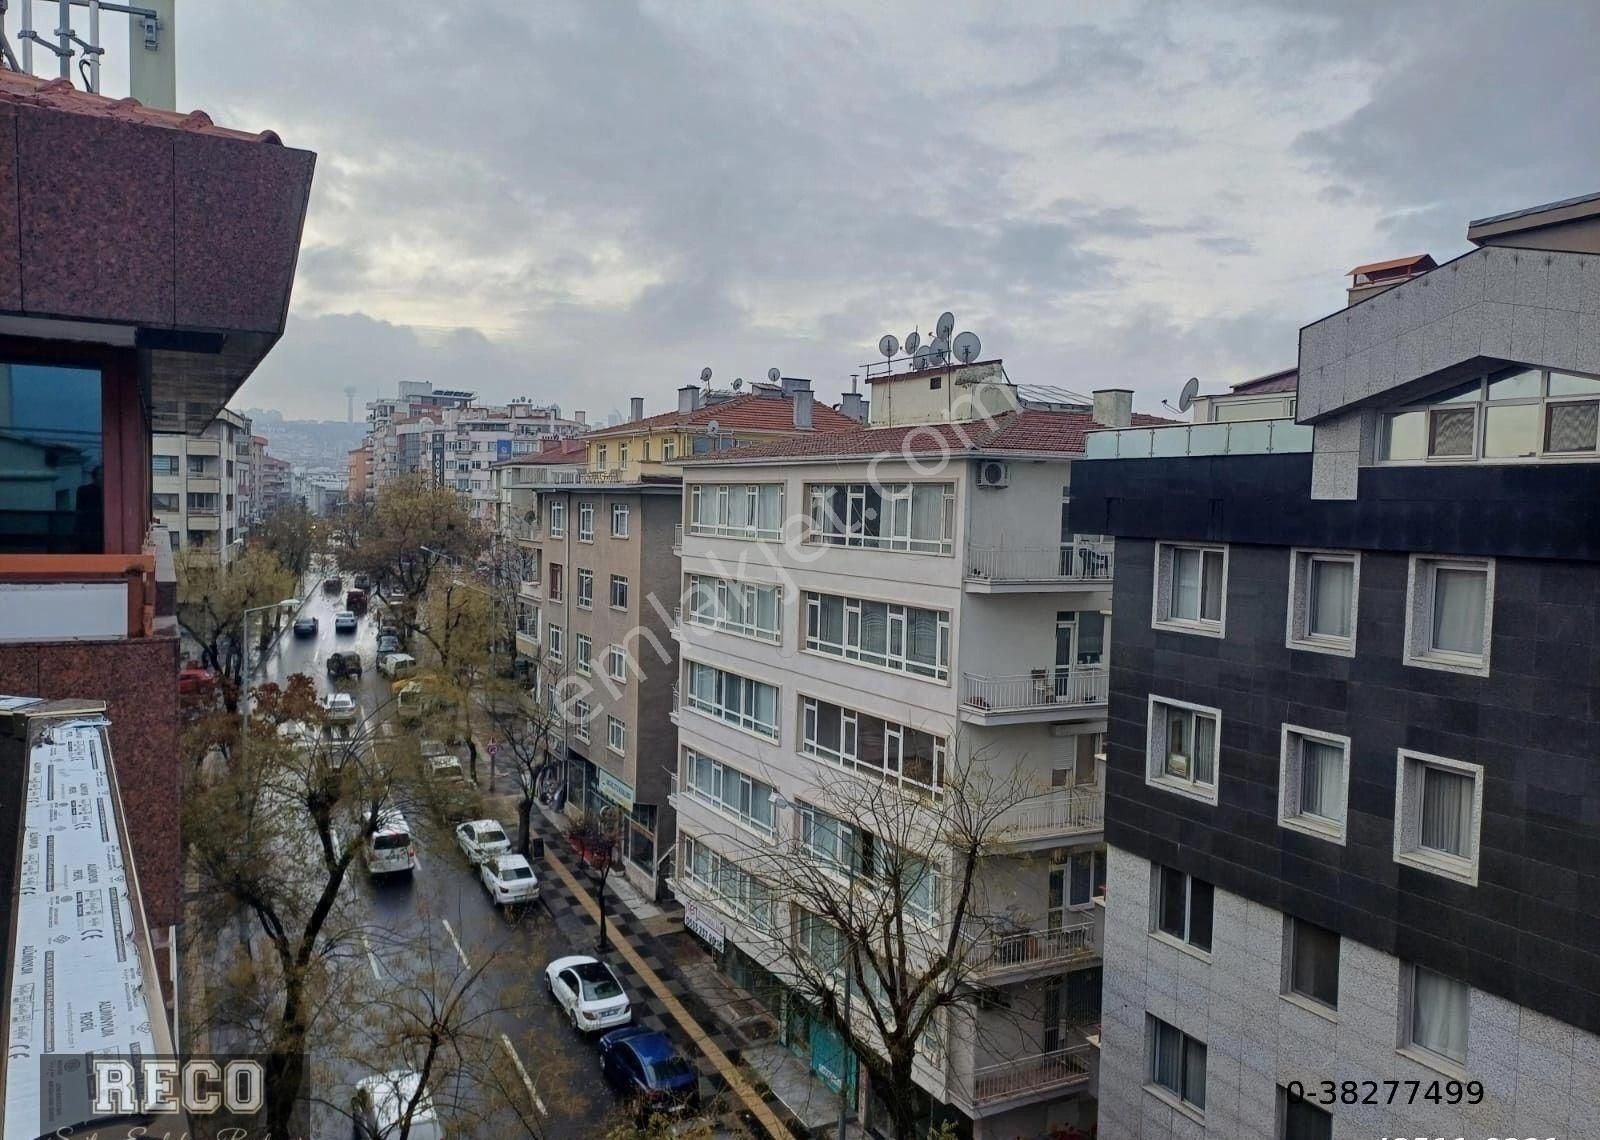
(582, 647)
(164, 465)
(585, 589)
(1436, 1019)
(1313, 782)
(644, 452)
(904, 639)
(1508, 415)
(1181, 747)
(1311, 962)
(914, 517)
(557, 515)
(1191, 588)
(1299, 1119)
(871, 745)
(730, 791)
(1177, 1063)
(556, 643)
(619, 592)
(731, 885)
(1449, 614)
(1323, 591)
(600, 457)
(528, 621)
(744, 608)
(736, 510)
(1073, 884)
(202, 503)
(1183, 907)
(580, 720)
(837, 845)
(616, 663)
(669, 449)
(622, 456)
(1438, 814)
(619, 520)
(166, 502)
(741, 702)
(585, 522)
(557, 588)
(616, 735)
(197, 465)
(1084, 763)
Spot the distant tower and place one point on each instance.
(350, 404)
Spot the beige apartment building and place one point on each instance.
(202, 485)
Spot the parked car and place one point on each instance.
(509, 880)
(195, 678)
(340, 708)
(380, 1103)
(332, 585)
(344, 665)
(644, 1064)
(589, 992)
(345, 622)
(362, 582)
(396, 665)
(388, 643)
(481, 839)
(390, 850)
(356, 601)
(446, 767)
(305, 627)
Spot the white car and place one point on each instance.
(380, 1102)
(397, 665)
(390, 851)
(482, 839)
(446, 767)
(345, 622)
(587, 989)
(340, 708)
(509, 879)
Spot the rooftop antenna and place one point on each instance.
(738, 382)
(966, 347)
(775, 375)
(1191, 389)
(705, 378)
(945, 326)
(888, 345)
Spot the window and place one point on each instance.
(1182, 907)
(731, 885)
(1313, 778)
(600, 457)
(1083, 768)
(580, 720)
(1437, 1018)
(1438, 814)
(585, 589)
(669, 448)
(1299, 1119)
(837, 845)
(744, 608)
(1181, 747)
(197, 465)
(730, 791)
(738, 510)
(1512, 414)
(1177, 1062)
(202, 503)
(1191, 588)
(585, 522)
(1323, 590)
(160, 501)
(1073, 884)
(558, 518)
(619, 520)
(528, 620)
(556, 642)
(160, 464)
(581, 650)
(556, 587)
(1311, 962)
(1449, 614)
(915, 517)
(616, 735)
(870, 745)
(619, 592)
(904, 639)
(741, 702)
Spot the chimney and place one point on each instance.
(854, 406)
(802, 404)
(636, 409)
(1113, 407)
(1381, 276)
(582, 417)
(688, 399)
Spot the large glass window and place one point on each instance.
(52, 460)
(1183, 907)
(1439, 1010)
(1312, 968)
(737, 510)
(747, 704)
(1451, 601)
(1177, 1062)
(735, 607)
(730, 791)
(917, 517)
(1515, 413)
(1181, 747)
(871, 745)
(902, 638)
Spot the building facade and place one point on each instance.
(1351, 788)
(202, 486)
(275, 478)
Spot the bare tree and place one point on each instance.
(213, 598)
(526, 732)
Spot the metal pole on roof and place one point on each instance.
(94, 38)
(26, 36)
(64, 35)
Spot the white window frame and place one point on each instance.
(615, 579)
(1155, 768)
(581, 712)
(557, 515)
(734, 510)
(897, 623)
(619, 520)
(1410, 1046)
(1408, 807)
(1481, 405)
(1419, 615)
(1161, 595)
(616, 736)
(895, 504)
(1289, 778)
(1299, 635)
(616, 663)
(582, 651)
(717, 708)
(720, 593)
(586, 521)
(725, 778)
(749, 899)
(584, 599)
(555, 640)
(848, 755)
(600, 457)
(669, 449)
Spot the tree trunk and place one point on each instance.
(902, 1099)
(524, 823)
(286, 1069)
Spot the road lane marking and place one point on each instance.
(527, 1081)
(372, 959)
(456, 942)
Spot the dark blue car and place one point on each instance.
(643, 1064)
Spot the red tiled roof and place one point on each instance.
(1286, 381)
(1029, 430)
(59, 94)
(749, 412)
(1415, 261)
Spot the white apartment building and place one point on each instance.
(195, 489)
(926, 610)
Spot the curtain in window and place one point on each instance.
(927, 512)
(769, 508)
(766, 614)
(874, 630)
(1458, 601)
(922, 628)
(765, 705)
(1205, 744)
(1329, 603)
(1211, 588)
(1314, 963)
(703, 683)
(1321, 780)
(1439, 1013)
(1194, 1072)
(1446, 811)
(1185, 601)
(1166, 1056)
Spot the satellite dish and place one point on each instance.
(923, 358)
(940, 348)
(705, 376)
(888, 346)
(713, 427)
(738, 382)
(912, 340)
(966, 347)
(1191, 389)
(946, 326)
(774, 375)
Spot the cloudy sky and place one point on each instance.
(584, 201)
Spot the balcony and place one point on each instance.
(527, 644)
(1057, 813)
(1000, 952)
(532, 589)
(1076, 693)
(1082, 564)
(1244, 437)
(677, 539)
(203, 485)
(1026, 1078)
(204, 446)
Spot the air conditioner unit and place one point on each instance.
(993, 473)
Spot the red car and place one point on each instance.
(195, 678)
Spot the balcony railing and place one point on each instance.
(998, 951)
(1082, 560)
(531, 588)
(1060, 811)
(1021, 1076)
(1042, 689)
(677, 539)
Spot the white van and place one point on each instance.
(390, 851)
(381, 1100)
(397, 665)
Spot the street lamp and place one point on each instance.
(244, 649)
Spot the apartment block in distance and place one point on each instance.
(200, 483)
(879, 610)
(1353, 801)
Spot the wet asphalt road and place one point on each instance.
(442, 910)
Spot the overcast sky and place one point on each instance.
(581, 202)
